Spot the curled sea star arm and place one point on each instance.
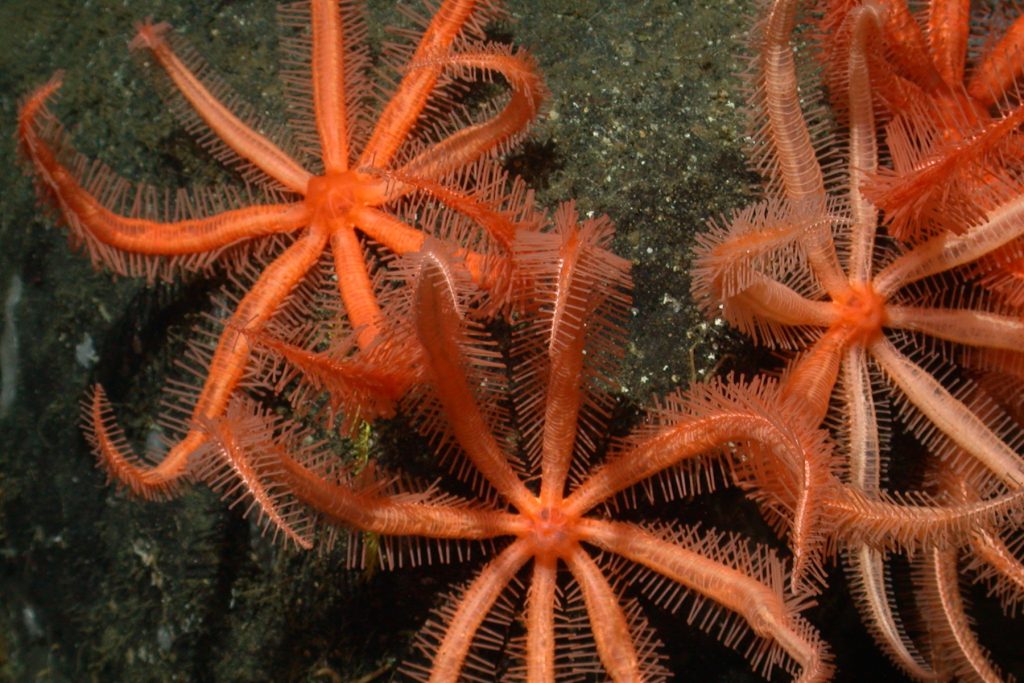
(763, 607)
(786, 460)
(226, 369)
(410, 99)
(949, 415)
(468, 144)
(108, 233)
(501, 227)
(972, 328)
(688, 439)
(400, 238)
(789, 460)
(243, 140)
(607, 619)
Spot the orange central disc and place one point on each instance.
(337, 193)
(863, 311)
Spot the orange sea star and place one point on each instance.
(422, 165)
(553, 509)
(801, 271)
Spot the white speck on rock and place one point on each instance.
(85, 352)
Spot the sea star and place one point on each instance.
(563, 352)
(777, 273)
(954, 135)
(423, 166)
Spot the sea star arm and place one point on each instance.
(786, 459)
(439, 328)
(409, 100)
(949, 177)
(388, 230)
(228, 455)
(785, 129)
(792, 453)
(864, 442)
(468, 144)
(328, 66)
(910, 49)
(791, 156)
(949, 415)
(969, 327)
(863, 140)
(564, 397)
(472, 607)
(372, 512)
(540, 622)
(994, 561)
(1000, 567)
(226, 369)
(949, 24)
(1000, 67)
(887, 522)
(944, 252)
(813, 375)
(246, 142)
(401, 239)
(872, 590)
(499, 225)
(580, 289)
(669, 447)
(355, 286)
(607, 619)
(763, 608)
(108, 234)
(765, 305)
(360, 387)
(953, 638)
(866, 563)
